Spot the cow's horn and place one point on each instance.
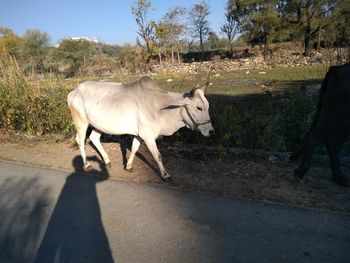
(203, 88)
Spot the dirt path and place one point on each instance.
(249, 177)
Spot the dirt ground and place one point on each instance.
(219, 173)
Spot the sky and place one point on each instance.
(110, 21)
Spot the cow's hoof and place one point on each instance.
(130, 170)
(343, 181)
(299, 174)
(168, 179)
(293, 157)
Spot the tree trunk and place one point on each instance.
(201, 41)
(307, 39)
(307, 35)
(202, 48)
(172, 55)
(319, 38)
(231, 48)
(266, 48)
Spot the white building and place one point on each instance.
(85, 38)
(80, 38)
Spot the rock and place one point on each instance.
(283, 56)
(273, 158)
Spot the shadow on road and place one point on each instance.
(75, 232)
(21, 218)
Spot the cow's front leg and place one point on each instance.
(334, 149)
(313, 139)
(134, 148)
(152, 146)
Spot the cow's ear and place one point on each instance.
(186, 100)
(190, 94)
(170, 107)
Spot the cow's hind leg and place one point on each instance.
(152, 146)
(81, 124)
(334, 148)
(95, 139)
(134, 148)
(313, 139)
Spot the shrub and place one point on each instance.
(295, 121)
(256, 121)
(26, 108)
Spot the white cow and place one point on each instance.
(138, 108)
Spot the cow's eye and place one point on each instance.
(199, 108)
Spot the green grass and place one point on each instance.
(228, 83)
(239, 82)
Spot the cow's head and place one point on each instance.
(195, 111)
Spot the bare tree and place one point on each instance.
(141, 11)
(230, 27)
(199, 22)
(173, 18)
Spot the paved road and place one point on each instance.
(52, 216)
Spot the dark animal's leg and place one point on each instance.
(334, 148)
(313, 139)
(298, 152)
(347, 127)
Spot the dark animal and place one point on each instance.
(331, 125)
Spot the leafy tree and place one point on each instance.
(176, 29)
(162, 33)
(36, 44)
(10, 43)
(4, 32)
(260, 20)
(76, 54)
(53, 60)
(127, 56)
(199, 24)
(213, 41)
(342, 25)
(110, 50)
(309, 18)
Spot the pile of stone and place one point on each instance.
(281, 57)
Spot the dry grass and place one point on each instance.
(25, 107)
